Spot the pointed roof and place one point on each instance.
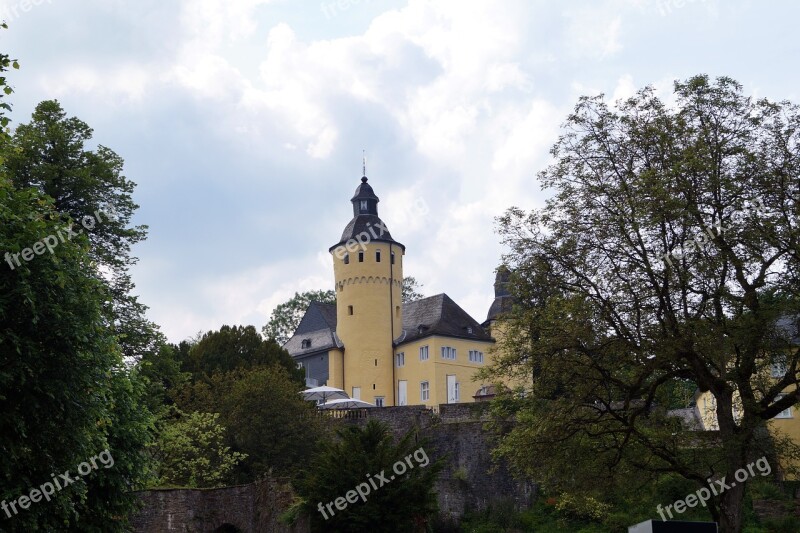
(503, 301)
(318, 327)
(365, 225)
(439, 315)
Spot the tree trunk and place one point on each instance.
(730, 512)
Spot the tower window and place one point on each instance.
(392, 257)
(360, 257)
(397, 311)
(378, 256)
(364, 206)
(349, 309)
(346, 259)
(376, 362)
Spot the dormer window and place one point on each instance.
(305, 344)
(469, 330)
(363, 206)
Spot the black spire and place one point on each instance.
(365, 202)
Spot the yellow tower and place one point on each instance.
(368, 273)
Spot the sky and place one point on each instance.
(243, 122)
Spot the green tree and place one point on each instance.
(191, 452)
(286, 317)
(161, 370)
(65, 394)
(237, 347)
(668, 254)
(405, 503)
(410, 288)
(51, 154)
(265, 416)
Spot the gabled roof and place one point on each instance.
(438, 315)
(318, 326)
(318, 316)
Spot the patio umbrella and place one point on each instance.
(323, 394)
(345, 403)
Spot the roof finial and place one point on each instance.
(364, 163)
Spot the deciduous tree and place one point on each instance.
(669, 252)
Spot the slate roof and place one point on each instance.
(318, 326)
(790, 326)
(438, 315)
(503, 301)
(367, 224)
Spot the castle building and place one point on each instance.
(375, 346)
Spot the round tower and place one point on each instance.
(368, 272)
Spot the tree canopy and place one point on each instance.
(404, 503)
(667, 254)
(51, 154)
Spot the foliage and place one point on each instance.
(404, 504)
(5, 63)
(65, 394)
(265, 416)
(237, 347)
(191, 452)
(668, 254)
(51, 154)
(286, 317)
(410, 290)
(161, 370)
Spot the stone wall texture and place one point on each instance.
(469, 481)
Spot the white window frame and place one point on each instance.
(448, 353)
(400, 359)
(424, 353)
(786, 413)
(424, 391)
(379, 401)
(356, 393)
(475, 356)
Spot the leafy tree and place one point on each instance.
(286, 317)
(65, 395)
(265, 415)
(162, 372)
(668, 255)
(237, 347)
(5, 63)
(191, 452)
(405, 503)
(410, 288)
(51, 154)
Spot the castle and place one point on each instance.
(375, 346)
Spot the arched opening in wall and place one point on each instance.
(227, 528)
